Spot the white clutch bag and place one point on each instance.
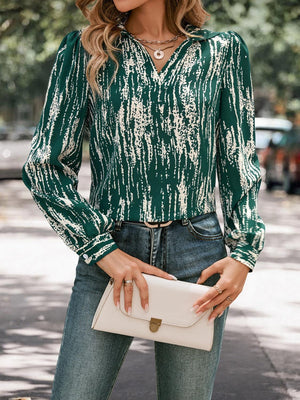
(169, 319)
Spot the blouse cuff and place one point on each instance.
(246, 254)
(97, 248)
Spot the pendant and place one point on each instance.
(159, 54)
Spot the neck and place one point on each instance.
(148, 21)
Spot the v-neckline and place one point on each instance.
(159, 75)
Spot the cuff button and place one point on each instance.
(85, 256)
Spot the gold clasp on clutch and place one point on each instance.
(154, 324)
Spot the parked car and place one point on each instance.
(265, 128)
(282, 161)
(14, 148)
(4, 131)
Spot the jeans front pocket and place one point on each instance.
(205, 226)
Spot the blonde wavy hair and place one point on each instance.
(99, 36)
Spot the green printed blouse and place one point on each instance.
(157, 142)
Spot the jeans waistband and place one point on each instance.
(160, 224)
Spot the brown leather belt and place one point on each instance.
(149, 224)
(157, 224)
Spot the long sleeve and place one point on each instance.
(237, 162)
(51, 169)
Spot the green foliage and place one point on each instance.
(31, 30)
(271, 31)
(30, 33)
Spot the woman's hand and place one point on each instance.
(233, 276)
(121, 266)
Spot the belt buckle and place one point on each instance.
(157, 224)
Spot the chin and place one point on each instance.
(128, 5)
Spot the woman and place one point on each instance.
(178, 108)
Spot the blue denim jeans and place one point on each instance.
(89, 360)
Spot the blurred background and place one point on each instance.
(260, 356)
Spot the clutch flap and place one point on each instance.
(170, 302)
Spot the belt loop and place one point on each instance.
(184, 221)
(118, 225)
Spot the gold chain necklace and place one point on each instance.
(158, 41)
(158, 53)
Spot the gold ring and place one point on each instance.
(220, 291)
(128, 282)
(229, 299)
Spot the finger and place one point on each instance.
(208, 296)
(216, 301)
(117, 290)
(143, 289)
(128, 291)
(150, 269)
(207, 272)
(219, 310)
